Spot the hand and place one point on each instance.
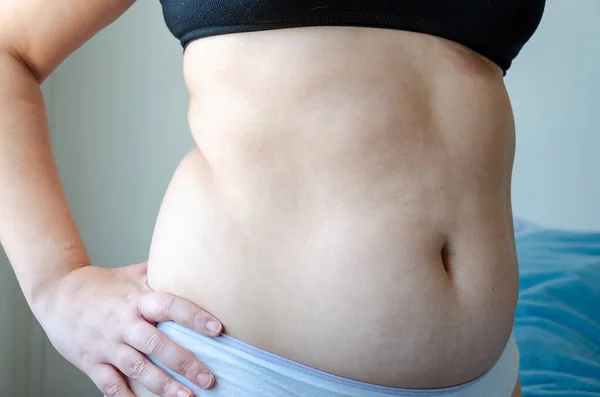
(102, 321)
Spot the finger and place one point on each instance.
(160, 307)
(109, 381)
(150, 341)
(137, 367)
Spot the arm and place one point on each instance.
(98, 319)
(36, 226)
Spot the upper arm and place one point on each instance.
(42, 33)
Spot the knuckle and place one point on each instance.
(154, 343)
(163, 384)
(186, 366)
(166, 303)
(138, 331)
(87, 361)
(115, 317)
(135, 369)
(132, 297)
(111, 387)
(133, 300)
(196, 320)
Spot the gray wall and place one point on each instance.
(119, 125)
(555, 87)
(118, 118)
(8, 295)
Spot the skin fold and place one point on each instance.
(347, 206)
(352, 191)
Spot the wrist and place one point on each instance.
(41, 294)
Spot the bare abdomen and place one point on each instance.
(356, 219)
(382, 294)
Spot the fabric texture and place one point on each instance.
(242, 370)
(557, 331)
(497, 29)
(557, 323)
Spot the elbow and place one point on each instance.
(37, 74)
(19, 56)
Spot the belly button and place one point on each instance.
(446, 258)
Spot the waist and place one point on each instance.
(348, 206)
(410, 289)
(365, 117)
(265, 374)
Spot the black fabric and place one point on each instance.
(497, 29)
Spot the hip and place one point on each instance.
(393, 294)
(244, 370)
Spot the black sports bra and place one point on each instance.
(497, 29)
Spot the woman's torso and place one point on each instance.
(348, 205)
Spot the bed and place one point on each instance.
(557, 325)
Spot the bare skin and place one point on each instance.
(351, 188)
(349, 199)
(101, 320)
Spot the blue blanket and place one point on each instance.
(557, 325)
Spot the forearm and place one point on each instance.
(37, 229)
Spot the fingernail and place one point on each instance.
(183, 393)
(213, 327)
(206, 380)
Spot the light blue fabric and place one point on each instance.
(242, 370)
(557, 325)
(557, 330)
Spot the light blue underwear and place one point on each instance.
(242, 370)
